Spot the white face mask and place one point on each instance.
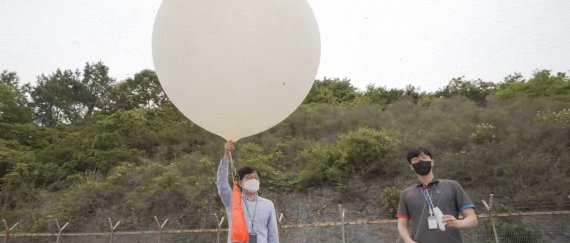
(251, 185)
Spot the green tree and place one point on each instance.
(543, 84)
(13, 102)
(381, 95)
(390, 199)
(69, 97)
(476, 90)
(142, 91)
(363, 152)
(58, 98)
(97, 87)
(9, 78)
(332, 91)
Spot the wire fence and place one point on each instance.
(494, 226)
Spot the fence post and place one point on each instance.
(341, 211)
(7, 237)
(219, 224)
(280, 233)
(59, 229)
(113, 229)
(8, 229)
(160, 226)
(490, 210)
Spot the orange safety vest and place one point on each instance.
(239, 225)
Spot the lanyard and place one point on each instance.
(254, 211)
(427, 198)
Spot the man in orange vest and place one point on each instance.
(259, 213)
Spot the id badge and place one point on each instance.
(439, 218)
(252, 238)
(432, 223)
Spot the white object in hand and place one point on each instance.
(439, 218)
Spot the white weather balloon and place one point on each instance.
(236, 67)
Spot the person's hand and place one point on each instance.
(450, 221)
(229, 146)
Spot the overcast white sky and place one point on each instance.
(382, 42)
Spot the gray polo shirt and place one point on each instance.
(448, 195)
(261, 211)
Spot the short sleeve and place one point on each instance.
(403, 212)
(461, 199)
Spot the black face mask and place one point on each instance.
(423, 167)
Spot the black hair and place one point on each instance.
(245, 171)
(415, 152)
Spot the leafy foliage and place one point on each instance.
(13, 107)
(79, 145)
(354, 153)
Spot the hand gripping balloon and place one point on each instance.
(236, 67)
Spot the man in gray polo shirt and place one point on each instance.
(432, 205)
(259, 212)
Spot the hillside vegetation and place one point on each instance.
(80, 145)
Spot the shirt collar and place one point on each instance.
(433, 181)
(244, 197)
